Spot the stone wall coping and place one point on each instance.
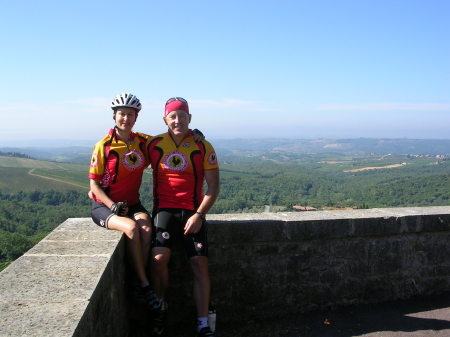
(331, 214)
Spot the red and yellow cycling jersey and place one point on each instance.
(119, 166)
(178, 171)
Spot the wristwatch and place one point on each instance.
(202, 215)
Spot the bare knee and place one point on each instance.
(160, 257)
(146, 234)
(145, 227)
(127, 226)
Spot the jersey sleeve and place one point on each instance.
(210, 161)
(97, 167)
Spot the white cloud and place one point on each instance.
(265, 110)
(385, 107)
(88, 104)
(80, 105)
(20, 107)
(232, 105)
(224, 103)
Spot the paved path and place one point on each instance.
(420, 317)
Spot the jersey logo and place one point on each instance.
(212, 159)
(94, 160)
(133, 160)
(176, 161)
(186, 145)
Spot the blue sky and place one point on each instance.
(250, 69)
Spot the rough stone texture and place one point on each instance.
(273, 265)
(69, 279)
(263, 267)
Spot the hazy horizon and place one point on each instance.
(63, 143)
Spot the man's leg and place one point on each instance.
(160, 278)
(160, 270)
(145, 226)
(202, 289)
(202, 284)
(164, 223)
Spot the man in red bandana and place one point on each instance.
(180, 168)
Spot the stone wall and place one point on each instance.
(265, 266)
(262, 266)
(69, 284)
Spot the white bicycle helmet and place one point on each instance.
(126, 101)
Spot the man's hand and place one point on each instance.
(119, 208)
(193, 224)
(198, 135)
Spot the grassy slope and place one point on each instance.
(21, 174)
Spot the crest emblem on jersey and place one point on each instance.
(176, 161)
(186, 145)
(212, 159)
(132, 159)
(94, 160)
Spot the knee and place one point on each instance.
(146, 233)
(160, 259)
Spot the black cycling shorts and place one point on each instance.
(169, 229)
(101, 214)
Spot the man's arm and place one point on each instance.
(194, 223)
(213, 182)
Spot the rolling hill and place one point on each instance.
(244, 147)
(22, 174)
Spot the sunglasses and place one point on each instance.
(173, 99)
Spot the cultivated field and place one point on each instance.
(21, 174)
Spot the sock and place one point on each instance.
(145, 284)
(202, 322)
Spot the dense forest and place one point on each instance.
(248, 183)
(330, 181)
(27, 217)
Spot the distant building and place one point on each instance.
(268, 209)
(303, 208)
